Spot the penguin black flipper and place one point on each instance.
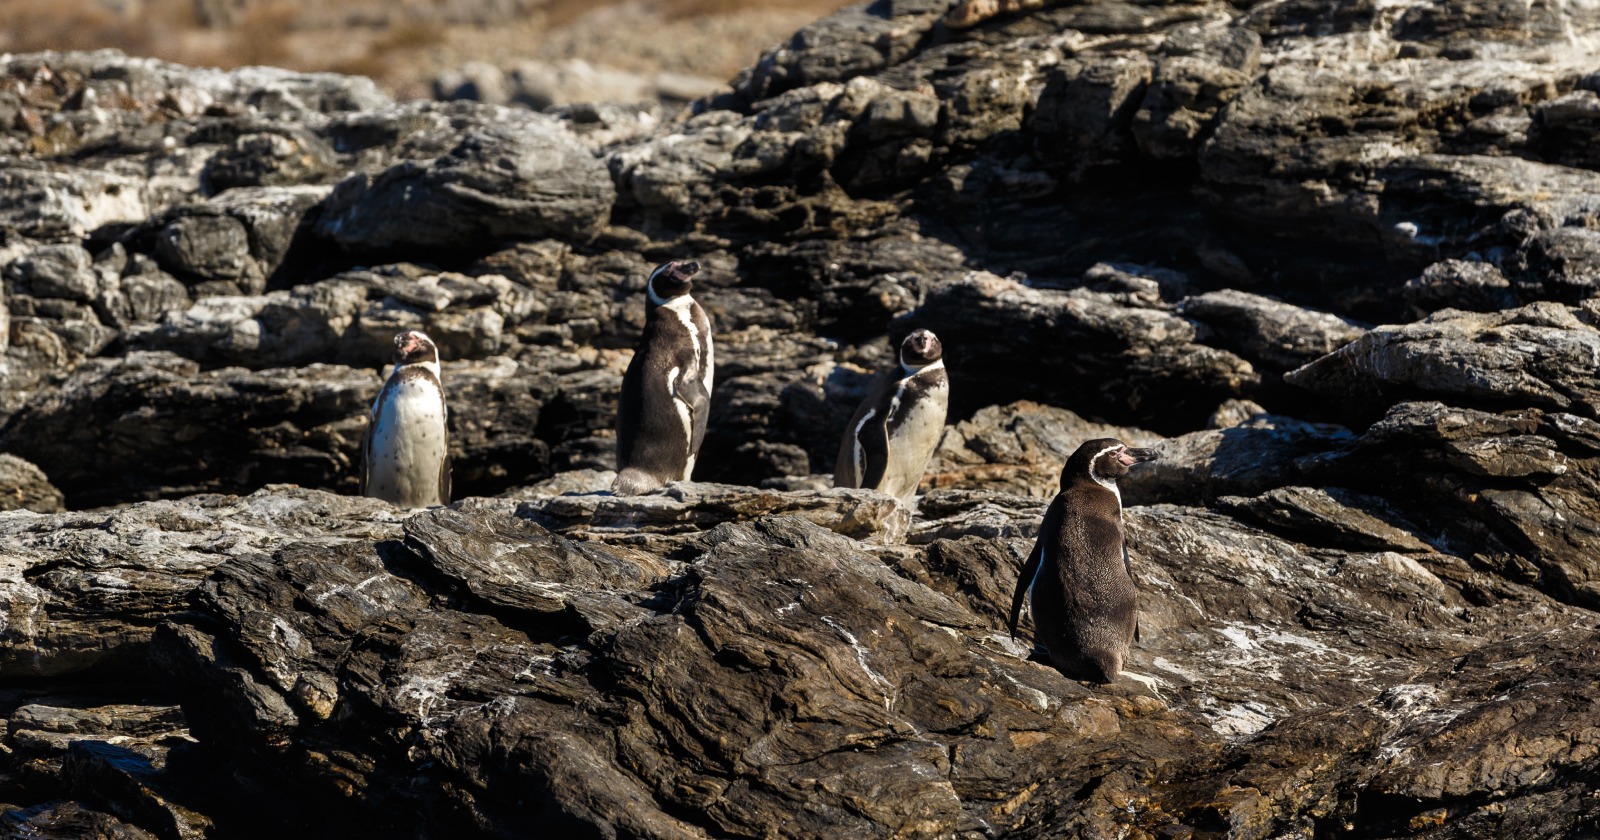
(874, 442)
(1024, 577)
(1127, 564)
(366, 439)
(1048, 528)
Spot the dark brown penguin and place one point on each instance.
(1084, 612)
(666, 392)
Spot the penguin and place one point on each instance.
(405, 454)
(666, 392)
(893, 434)
(1078, 574)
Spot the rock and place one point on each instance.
(542, 84)
(476, 80)
(520, 176)
(1561, 264)
(1271, 334)
(1460, 284)
(133, 782)
(1117, 216)
(68, 819)
(1181, 105)
(111, 415)
(85, 590)
(54, 203)
(1017, 448)
(1109, 356)
(26, 487)
(278, 157)
(1536, 355)
(207, 248)
(56, 271)
(687, 507)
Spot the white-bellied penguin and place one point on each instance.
(666, 392)
(405, 454)
(1083, 600)
(888, 443)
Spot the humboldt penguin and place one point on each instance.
(888, 443)
(1078, 574)
(405, 454)
(666, 392)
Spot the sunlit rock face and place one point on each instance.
(1335, 262)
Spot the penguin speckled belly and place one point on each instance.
(666, 393)
(1084, 611)
(405, 454)
(888, 443)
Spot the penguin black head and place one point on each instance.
(1104, 461)
(671, 279)
(921, 348)
(413, 347)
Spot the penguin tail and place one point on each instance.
(632, 482)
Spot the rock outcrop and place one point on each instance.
(1335, 261)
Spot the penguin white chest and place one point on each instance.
(916, 418)
(409, 444)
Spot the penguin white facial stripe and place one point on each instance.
(1106, 483)
(913, 370)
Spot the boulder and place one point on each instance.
(1537, 355)
(24, 486)
(1109, 356)
(522, 176)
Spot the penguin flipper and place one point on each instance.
(444, 480)
(1024, 578)
(366, 446)
(873, 438)
(691, 391)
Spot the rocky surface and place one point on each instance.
(1334, 261)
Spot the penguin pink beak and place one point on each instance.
(1129, 457)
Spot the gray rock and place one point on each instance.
(1083, 116)
(275, 158)
(1181, 105)
(1272, 334)
(688, 507)
(57, 203)
(114, 429)
(68, 819)
(84, 591)
(1018, 448)
(1561, 264)
(1109, 355)
(56, 271)
(522, 176)
(1261, 453)
(1537, 355)
(1460, 284)
(24, 486)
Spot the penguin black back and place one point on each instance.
(1083, 599)
(666, 392)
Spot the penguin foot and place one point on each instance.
(632, 482)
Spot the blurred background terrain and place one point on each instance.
(531, 52)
